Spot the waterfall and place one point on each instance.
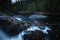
(3, 36)
(27, 31)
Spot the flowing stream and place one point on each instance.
(3, 36)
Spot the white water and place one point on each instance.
(37, 16)
(18, 18)
(3, 36)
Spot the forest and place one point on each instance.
(52, 6)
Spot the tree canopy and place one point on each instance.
(30, 6)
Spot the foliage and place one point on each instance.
(31, 6)
(26, 6)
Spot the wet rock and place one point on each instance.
(34, 35)
(11, 26)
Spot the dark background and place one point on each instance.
(34, 5)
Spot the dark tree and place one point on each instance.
(4, 4)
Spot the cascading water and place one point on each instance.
(4, 36)
(20, 36)
(28, 31)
